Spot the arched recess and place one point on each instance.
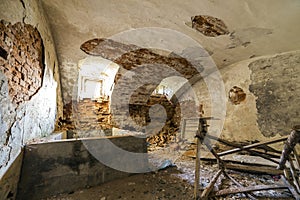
(96, 78)
(90, 110)
(137, 65)
(131, 58)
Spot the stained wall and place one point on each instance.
(270, 107)
(30, 99)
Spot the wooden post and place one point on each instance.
(294, 175)
(292, 140)
(200, 134)
(197, 170)
(296, 157)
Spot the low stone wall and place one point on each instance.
(68, 165)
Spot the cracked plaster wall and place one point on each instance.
(33, 118)
(267, 27)
(271, 107)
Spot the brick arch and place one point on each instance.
(131, 58)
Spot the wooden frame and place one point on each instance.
(288, 174)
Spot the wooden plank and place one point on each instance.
(296, 157)
(249, 189)
(197, 171)
(240, 185)
(262, 151)
(234, 161)
(254, 169)
(291, 188)
(209, 188)
(294, 175)
(197, 118)
(266, 148)
(252, 146)
(209, 147)
(289, 145)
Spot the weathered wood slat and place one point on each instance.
(296, 157)
(294, 175)
(209, 188)
(261, 148)
(238, 184)
(252, 146)
(249, 189)
(291, 188)
(254, 169)
(292, 140)
(197, 170)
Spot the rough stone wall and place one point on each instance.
(270, 105)
(33, 113)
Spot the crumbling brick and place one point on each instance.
(23, 65)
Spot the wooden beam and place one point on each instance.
(294, 175)
(209, 188)
(290, 143)
(296, 157)
(254, 169)
(197, 170)
(249, 189)
(252, 146)
(238, 184)
(291, 188)
(209, 147)
(262, 147)
(263, 150)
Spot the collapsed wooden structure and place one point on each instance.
(288, 173)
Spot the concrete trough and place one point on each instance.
(64, 166)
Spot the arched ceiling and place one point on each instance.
(256, 27)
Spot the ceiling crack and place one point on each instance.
(24, 12)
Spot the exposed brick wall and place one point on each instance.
(209, 26)
(131, 56)
(92, 114)
(135, 89)
(131, 97)
(140, 113)
(21, 59)
(87, 114)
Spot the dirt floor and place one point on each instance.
(173, 178)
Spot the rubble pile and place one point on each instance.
(87, 114)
